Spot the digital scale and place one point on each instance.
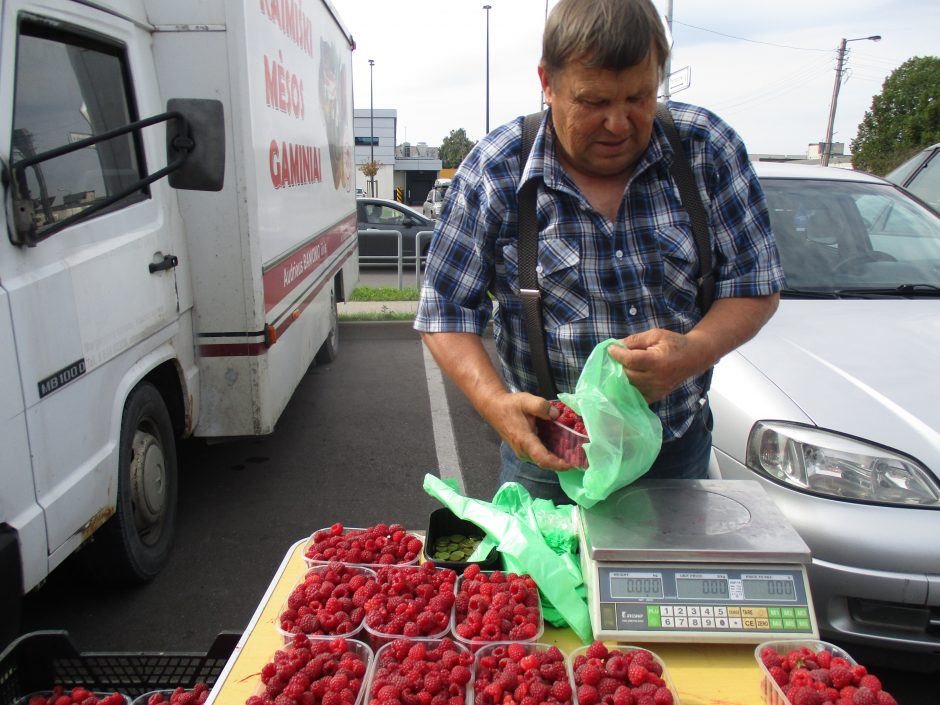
(694, 560)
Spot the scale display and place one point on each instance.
(694, 560)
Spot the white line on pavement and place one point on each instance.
(448, 462)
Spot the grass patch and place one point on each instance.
(384, 315)
(384, 293)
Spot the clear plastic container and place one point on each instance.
(378, 636)
(385, 659)
(348, 571)
(580, 651)
(564, 442)
(476, 642)
(374, 564)
(772, 692)
(355, 646)
(500, 650)
(167, 693)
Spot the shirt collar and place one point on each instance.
(543, 163)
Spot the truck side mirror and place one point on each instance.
(203, 168)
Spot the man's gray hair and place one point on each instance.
(610, 34)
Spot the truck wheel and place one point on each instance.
(330, 348)
(135, 543)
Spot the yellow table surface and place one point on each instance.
(703, 674)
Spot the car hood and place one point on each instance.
(867, 368)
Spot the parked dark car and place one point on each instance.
(920, 175)
(383, 214)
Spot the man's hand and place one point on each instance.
(512, 416)
(657, 361)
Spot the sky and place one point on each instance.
(768, 68)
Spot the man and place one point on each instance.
(616, 254)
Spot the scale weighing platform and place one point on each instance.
(694, 560)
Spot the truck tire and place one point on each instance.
(134, 544)
(330, 348)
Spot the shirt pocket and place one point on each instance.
(564, 300)
(563, 297)
(680, 267)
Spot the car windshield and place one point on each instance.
(836, 237)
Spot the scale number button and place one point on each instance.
(708, 611)
(721, 622)
(720, 612)
(695, 622)
(694, 611)
(669, 622)
(708, 622)
(682, 622)
(666, 610)
(681, 611)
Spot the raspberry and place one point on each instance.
(623, 696)
(597, 650)
(591, 675)
(885, 698)
(805, 695)
(840, 676)
(824, 658)
(864, 696)
(871, 682)
(561, 690)
(587, 695)
(637, 673)
(663, 696)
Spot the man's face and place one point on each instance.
(602, 118)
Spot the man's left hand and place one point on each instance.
(657, 361)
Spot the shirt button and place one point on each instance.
(619, 254)
(633, 310)
(538, 268)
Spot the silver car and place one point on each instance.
(835, 405)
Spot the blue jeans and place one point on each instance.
(684, 458)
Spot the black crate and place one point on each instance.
(38, 661)
(443, 522)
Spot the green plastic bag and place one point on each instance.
(512, 524)
(625, 434)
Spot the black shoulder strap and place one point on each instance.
(692, 202)
(528, 261)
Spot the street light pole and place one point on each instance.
(371, 130)
(487, 8)
(827, 147)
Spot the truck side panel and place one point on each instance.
(284, 225)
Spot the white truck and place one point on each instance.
(179, 224)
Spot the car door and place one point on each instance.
(86, 304)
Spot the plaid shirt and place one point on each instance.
(599, 279)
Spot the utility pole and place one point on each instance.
(667, 69)
(371, 130)
(827, 147)
(487, 8)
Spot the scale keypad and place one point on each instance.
(695, 617)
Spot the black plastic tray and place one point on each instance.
(40, 660)
(443, 522)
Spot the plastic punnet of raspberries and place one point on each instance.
(421, 672)
(496, 606)
(534, 674)
(196, 695)
(619, 676)
(329, 601)
(79, 695)
(808, 676)
(382, 544)
(411, 601)
(569, 418)
(313, 672)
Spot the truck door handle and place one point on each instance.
(169, 261)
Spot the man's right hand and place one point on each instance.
(513, 416)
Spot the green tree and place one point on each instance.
(455, 147)
(904, 117)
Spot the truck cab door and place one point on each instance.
(95, 304)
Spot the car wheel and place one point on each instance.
(330, 348)
(135, 543)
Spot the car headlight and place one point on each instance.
(833, 465)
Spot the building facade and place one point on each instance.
(404, 170)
